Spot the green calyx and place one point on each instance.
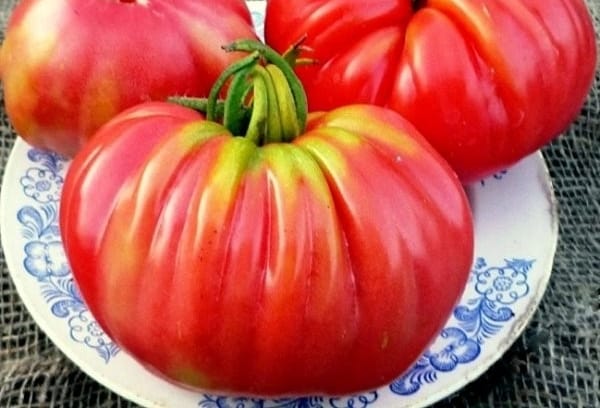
(264, 102)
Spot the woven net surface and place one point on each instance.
(554, 363)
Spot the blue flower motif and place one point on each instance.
(43, 185)
(45, 259)
(503, 285)
(454, 348)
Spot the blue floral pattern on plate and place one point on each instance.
(43, 254)
(479, 318)
(356, 401)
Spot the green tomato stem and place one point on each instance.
(292, 54)
(264, 102)
(272, 57)
(273, 131)
(257, 127)
(197, 104)
(239, 66)
(235, 111)
(290, 125)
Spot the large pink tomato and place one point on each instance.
(67, 66)
(485, 81)
(324, 264)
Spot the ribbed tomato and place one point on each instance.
(322, 264)
(487, 82)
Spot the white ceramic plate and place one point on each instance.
(516, 233)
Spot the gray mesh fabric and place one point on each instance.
(555, 363)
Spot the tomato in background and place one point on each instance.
(67, 66)
(487, 82)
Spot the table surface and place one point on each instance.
(555, 362)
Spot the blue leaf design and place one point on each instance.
(53, 230)
(39, 222)
(51, 160)
(32, 222)
(422, 372)
(58, 293)
(502, 314)
(107, 352)
(74, 292)
(468, 318)
(63, 308)
(405, 386)
(208, 401)
(519, 265)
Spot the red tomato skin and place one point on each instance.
(325, 265)
(487, 82)
(67, 66)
